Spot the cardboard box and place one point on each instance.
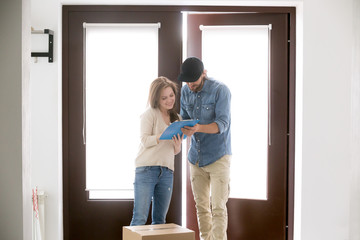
(168, 231)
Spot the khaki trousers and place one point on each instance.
(210, 187)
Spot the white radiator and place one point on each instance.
(38, 223)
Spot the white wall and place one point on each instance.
(328, 39)
(355, 128)
(10, 118)
(326, 180)
(25, 109)
(15, 198)
(45, 87)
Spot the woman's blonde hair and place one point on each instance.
(154, 94)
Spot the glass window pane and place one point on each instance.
(121, 62)
(238, 56)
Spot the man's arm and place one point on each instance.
(223, 109)
(211, 128)
(222, 113)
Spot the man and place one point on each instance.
(210, 151)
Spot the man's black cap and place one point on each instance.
(191, 70)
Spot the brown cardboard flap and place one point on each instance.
(168, 231)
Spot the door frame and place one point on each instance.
(290, 11)
(81, 214)
(266, 219)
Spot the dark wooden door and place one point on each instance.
(248, 219)
(103, 219)
(256, 219)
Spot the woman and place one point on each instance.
(155, 160)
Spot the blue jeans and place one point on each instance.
(152, 183)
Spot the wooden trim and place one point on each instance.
(65, 123)
(154, 8)
(291, 124)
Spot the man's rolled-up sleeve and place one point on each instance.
(222, 109)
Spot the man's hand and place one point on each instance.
(211, 128)
(189, 131)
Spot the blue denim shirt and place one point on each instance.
(211, 104)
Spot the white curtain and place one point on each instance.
(121, 62)
(238, 55)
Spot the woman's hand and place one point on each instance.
(158, 138)
(177, 143)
